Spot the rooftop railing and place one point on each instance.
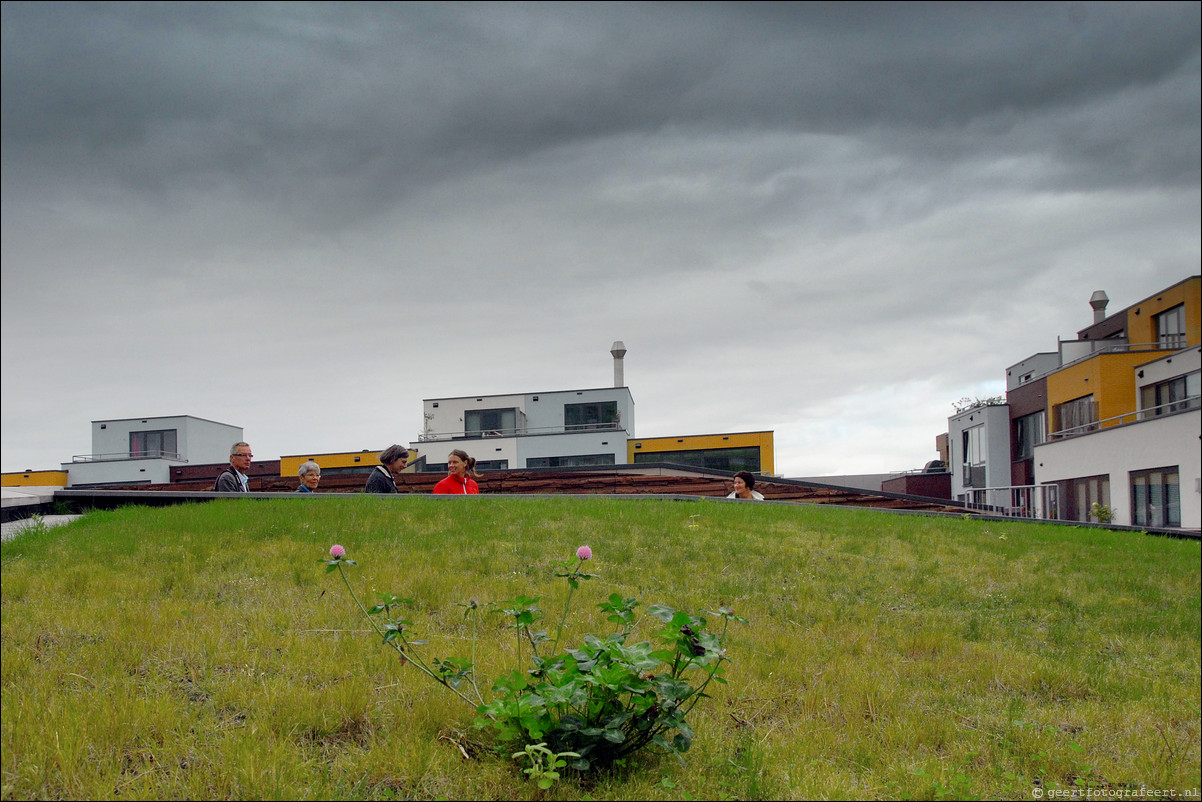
(519, 431)
(1096, 347)
(127, 455)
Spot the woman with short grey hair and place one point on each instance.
(383, 477)
(310, 474)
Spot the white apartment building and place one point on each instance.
(556, 429)
(1145, 466)
(1107, 428)
(131, 451)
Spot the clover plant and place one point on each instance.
(590, 704)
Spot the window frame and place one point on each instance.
(168, 443)
(731, 458)
(1168, 512)
(975, 447)
(1030, 431)
(571, 461)
(588, 416)
(478, 427)
(1080, 493)
(1170, 327)
(1177, 394)
(1082, 414)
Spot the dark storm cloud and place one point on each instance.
(364, 101)
(781, 208)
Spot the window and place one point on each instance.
(1029, 431)
(1079, 496)
(1170, 327)
(973, 446)
(481, 465)
(598, 415)
(153, 444)
(570, 461)
(1156, 497)
(1076, 416)
(485, 422)
(1174, 395)
(722, 459)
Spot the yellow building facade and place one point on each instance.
(733, 451)
(1143, 317)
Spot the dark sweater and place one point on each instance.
(380, 481)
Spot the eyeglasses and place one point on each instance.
(244, 455)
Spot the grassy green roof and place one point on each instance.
(202, 651)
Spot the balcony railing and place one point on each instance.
(519, 431)
(1019, 501)
(1148, 413)
(126, 455)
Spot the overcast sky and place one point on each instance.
(828, 221)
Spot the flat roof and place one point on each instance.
(166, 417)
(706, 434)
(527, 392)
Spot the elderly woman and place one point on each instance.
(310, 475)
(383, 477)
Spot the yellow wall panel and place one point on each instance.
(1107, 377)
(34, 479)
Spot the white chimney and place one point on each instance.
(1099, 301)
(618, 350)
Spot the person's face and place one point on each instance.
(456, 466)
(241, 458)
(398, 464)
(740, 486)
(311, 479)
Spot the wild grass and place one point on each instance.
(202, 651)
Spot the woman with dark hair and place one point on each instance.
(383, 477)
(743, 482)
(458, 481)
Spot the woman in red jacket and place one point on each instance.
(458, 482)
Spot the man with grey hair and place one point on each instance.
(383, 477)
(234, 479)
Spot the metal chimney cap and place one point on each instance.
(618, 349)
(1099, 299)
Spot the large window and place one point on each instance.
(1170, 328)
(1076, 416)
(721, 459)
(1174, 395)
(1029, 431)
(973, 445)
(1079, 496)
(597, 415)
(573, 461)
(485, 422)
(153, 444)
(1156, 497)
(481, 465)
